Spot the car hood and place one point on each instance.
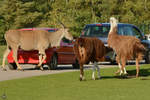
(104, 40)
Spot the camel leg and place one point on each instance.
(137, 67)
(123, 61)
(121, 70)
(125, 72)
(119, 65)
(15, 58)
(42, 57)
(4, 57)
(81, 72)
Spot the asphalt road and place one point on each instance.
(29, 71)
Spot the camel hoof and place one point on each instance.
(126, 73)
(117, 73)
(37, 68)
(99, 78)
(42, 69)
(93, 79)
(4, 69)
(20, 69)
(137, 76)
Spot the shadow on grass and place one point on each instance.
(144, 73)
(46, 68)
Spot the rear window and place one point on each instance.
(96, 31)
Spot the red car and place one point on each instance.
(61, 55)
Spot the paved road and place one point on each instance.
(29, 71)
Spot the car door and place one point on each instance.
(65, 52)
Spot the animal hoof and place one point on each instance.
(37, 68)
(21, 69)
(4, 69)
(41, 69)
(93, 78)
(126, 73)
(99, 78)
(82, 79)
(117, 73)
(137, 76)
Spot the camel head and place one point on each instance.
(66, 32)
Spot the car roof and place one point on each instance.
(23, 29)
(108, 24)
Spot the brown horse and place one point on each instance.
(89, 49)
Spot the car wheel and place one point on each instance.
(53, 62)
(76, 65)
(12, 66)
(147, 59)
(113, 62)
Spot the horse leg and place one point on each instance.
(4, 57)
(15, 50)
(81, 72)
(98, 69)
(137, 67)
(94, 69)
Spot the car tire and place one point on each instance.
(76, 65)
(113, 62)
(147, 58)
(53, 62)
(12, 66)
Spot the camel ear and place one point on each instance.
(60, 22)
(62, 25)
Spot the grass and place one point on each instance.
(66, 86)
(2, 49)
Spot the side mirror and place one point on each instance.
(144, 37)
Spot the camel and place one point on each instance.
(33, 40)
(126, 47)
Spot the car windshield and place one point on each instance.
(97, 31)
(51, 30)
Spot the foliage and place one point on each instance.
(66, 86)
(74, 14)
(2, 49)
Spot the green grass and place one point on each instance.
(66, 86)
(2, 49)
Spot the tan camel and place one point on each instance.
(126, 47)
(33, 40)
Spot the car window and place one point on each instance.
(51, 30)
(127, 30)
(120, 30)
(66, 40)
(97, 31)
(136, 32)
